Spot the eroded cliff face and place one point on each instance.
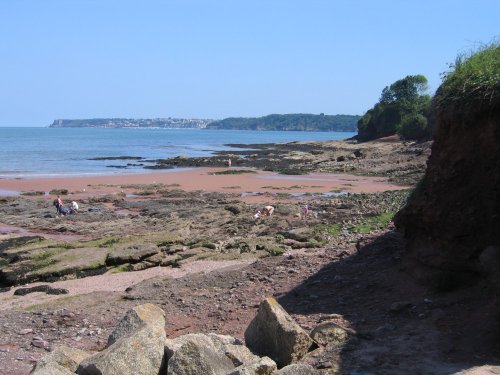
(454, 214)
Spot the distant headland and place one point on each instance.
(287, 122)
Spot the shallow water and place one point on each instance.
(52, 152)
(9, 193)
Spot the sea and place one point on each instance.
(30, 152)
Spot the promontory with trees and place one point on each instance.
(403, 108)
(297, 121)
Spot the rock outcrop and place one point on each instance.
(454, 213)
(62, 361)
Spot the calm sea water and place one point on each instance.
(37, 152)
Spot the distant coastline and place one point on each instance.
(167, 123)
(287, 122)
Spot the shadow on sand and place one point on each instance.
(401, 326)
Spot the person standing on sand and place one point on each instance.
(229, 163)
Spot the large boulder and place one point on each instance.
(212, 353)
(195, 358)
(140, 353)
(275, 334)
(212, 340)
(146, 314)
(138, 347)
(61, 361)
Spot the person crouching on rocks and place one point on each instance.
(74, 207)
(267, 211)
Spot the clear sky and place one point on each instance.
(222, 58)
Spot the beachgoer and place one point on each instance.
(74, 206)
(229, 163)
(257, 215)
(59, 204)
(56, 205)
(268, 211)
(306, 211)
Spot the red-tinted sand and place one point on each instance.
(202, 179)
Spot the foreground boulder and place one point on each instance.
(198, 359)
(62, 361)
(137, 346)
(221, 342)
(147, 314)
(197, 353)
(275, 334)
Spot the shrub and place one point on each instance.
(275, 250)
(414, 126)
(472, 85)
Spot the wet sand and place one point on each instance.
(203, 179)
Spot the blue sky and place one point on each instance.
(222, 58)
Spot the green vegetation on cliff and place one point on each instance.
(403, 108)
(472, 85)
(300, 122)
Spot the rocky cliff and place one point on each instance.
(452, 221)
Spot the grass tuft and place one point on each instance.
(472, 85)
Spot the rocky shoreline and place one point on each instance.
(340, 264)
(401, 162)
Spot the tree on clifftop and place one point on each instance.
(403, 108)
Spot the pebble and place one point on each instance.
(40, 343)
(25, 331)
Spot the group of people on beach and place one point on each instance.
(62, 210)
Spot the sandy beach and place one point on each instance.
(202, 179)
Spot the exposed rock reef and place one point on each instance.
(167, 227)
(401, 162)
